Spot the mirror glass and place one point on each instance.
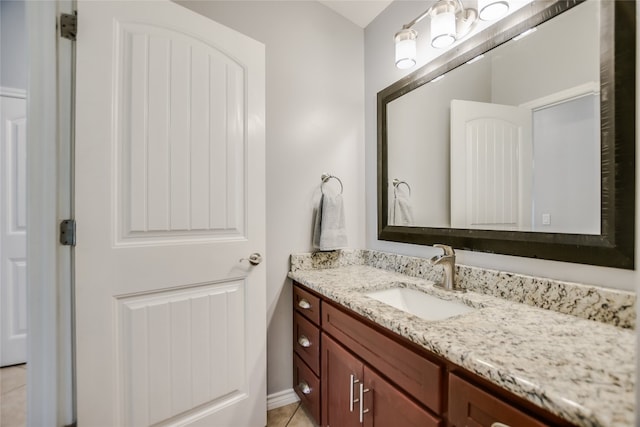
(509, 140)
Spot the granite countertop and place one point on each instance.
(578, 369)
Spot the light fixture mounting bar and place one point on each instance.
(418, 19)
(438, 4)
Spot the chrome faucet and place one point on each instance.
(448, 262)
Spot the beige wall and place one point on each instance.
(314, 124)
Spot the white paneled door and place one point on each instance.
(491, 166)
(13, 229)
(169, 197)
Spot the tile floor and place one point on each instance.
(292, 415)
(13, 403)
(13, 398)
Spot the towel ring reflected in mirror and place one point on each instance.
(396, 182)
(326, 177)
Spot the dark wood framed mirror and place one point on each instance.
(613, 242)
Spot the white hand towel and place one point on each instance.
(317, 221)
(329, 232)
(401, 211)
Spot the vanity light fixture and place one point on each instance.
(450, 21)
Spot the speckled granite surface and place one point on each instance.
(581, 370)
(589, 302)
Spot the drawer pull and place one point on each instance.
(362, 410)
(352, 381)
(304, 341)
(497, 424)
(304, 388)
(303, 303)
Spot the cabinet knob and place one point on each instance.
(497, 424)
(303, 303)
(304, 388)
(304, 341)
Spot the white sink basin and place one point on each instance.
(420, 304)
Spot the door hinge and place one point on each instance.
(68, 26)
(68, 232)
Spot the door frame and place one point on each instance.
(50, 385)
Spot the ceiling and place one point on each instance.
(360, 12)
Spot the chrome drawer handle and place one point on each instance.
(362, 410)
(352, 381)
(304, 341)
(304, 388)
(303, 303)
(497, 424)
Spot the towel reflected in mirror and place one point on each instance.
(401, 212)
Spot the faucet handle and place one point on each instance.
(448, 250)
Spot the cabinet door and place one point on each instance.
(386, 405)
(338, 392)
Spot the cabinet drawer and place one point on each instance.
(472, 406)
(307, 387)
(419, 377)
(306, 304)
(306, 341)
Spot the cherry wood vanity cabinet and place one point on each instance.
(306, 350)
(415, 377)
(355, 395)
(349, 371)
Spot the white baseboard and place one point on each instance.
(281, 398)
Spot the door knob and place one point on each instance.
(254, 259)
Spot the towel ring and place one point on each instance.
(396, 182)
(326, 177)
